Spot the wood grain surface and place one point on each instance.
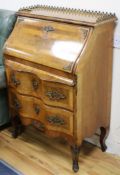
(60, 74)
(94, 82)
(57, 48)
(38, 83)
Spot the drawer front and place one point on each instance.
(57, 94)
(51, 93)
(54, 119)
(24, 82)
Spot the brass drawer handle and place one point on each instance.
(48, 29)
(37, 109)
(39, 125)
(55, 120)
(54, 95)
(16, 103)
(35, 84)
(14, 80)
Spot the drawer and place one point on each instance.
(54, 119)
(25, 82)
(57, 94)
(33, 84)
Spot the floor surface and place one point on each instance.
(34, 154)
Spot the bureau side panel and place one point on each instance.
(94, 75)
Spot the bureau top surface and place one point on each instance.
(90, 18)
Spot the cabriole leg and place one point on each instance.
(102, 138)
(18, 128)
(75, 156)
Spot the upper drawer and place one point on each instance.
(49, 43)
(31, 81)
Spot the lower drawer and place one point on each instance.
(53, 118)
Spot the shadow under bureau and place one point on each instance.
(59, 66)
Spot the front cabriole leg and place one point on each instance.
(18, 128)
(102, 138)
(75, 156)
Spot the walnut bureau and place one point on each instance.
(59, 69)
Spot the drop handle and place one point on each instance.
(55, 120)
(55, 95)
(39, 125)
(37, 109)
(14, 80)
(35, 84)
(16, 104)
(48, 29)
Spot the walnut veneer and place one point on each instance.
(59, 69)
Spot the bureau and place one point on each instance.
(59, 69)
